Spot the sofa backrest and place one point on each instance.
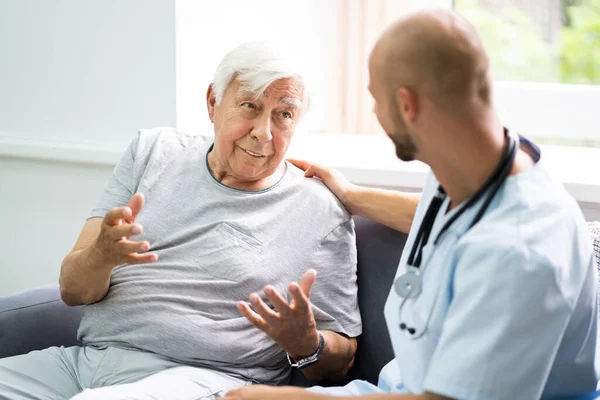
(379, 251)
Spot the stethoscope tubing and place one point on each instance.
(495, 182)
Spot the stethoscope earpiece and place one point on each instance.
(410, 331)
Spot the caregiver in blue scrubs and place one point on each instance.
(495, 294)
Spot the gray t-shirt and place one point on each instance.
(217, 245)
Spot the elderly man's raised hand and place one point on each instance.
(291, 325)
(332, 178)
(113, 245)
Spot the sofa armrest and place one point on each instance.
(36, 319)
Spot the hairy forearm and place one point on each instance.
(392, 208)
(336, 360)
(83, 278)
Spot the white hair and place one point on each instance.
(256, 65)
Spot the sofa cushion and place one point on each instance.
(36, 319)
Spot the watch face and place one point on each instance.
(307, 363)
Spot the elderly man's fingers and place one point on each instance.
(117, 232)
(300, 302)
(114, 216)
(307, 281)
(125, 246)
(278, 301)
(145, 258)
(135, 204)
(251, 316)
(263, 310)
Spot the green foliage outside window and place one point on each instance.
(580, 47)
(519, 52)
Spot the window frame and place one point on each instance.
(362, 157)
(559, 107)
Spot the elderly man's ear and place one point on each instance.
(211, 100)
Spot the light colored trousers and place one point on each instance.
(86, 373)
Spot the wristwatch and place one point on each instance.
(310, 360)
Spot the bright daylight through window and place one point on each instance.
(550, 46)
(545, 57)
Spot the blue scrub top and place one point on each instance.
(511, 303)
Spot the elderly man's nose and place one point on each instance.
(262, 130)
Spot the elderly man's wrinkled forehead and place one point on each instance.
(289, 91)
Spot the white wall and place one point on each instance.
(79, 77)
(44, 206)
(86, 70)
(306, 27)
(83, 73)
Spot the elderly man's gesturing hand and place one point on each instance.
(113, 245)
(102, 245)
(292, 325)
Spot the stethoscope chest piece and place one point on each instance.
(408, 285)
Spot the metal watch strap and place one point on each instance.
(310, 360)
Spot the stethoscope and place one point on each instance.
(409, 284)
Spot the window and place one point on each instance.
(539, 41)
(334, 36)
(545, 58)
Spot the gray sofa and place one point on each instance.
(37, 319)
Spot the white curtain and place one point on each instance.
(360, 23)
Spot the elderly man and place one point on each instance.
(220, 220)
(495, 294)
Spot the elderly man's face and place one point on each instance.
(253, 135)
